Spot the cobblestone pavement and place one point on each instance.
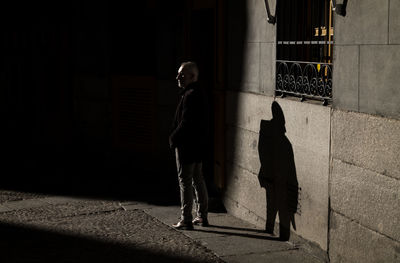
(44, 229)
(7, 196)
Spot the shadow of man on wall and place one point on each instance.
(278, 173)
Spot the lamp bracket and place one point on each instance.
(271, 18)
(340, 9)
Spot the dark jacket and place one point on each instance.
(190, 126)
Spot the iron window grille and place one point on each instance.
(304, 49)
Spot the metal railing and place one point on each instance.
(304, 79)
(304, 49)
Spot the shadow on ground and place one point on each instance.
(81, 173)
(23, 244)
(225, 231)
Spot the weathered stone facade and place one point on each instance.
(346, 155)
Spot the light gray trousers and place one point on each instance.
(191, 178)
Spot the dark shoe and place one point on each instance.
(269, 228)
(183, 225)
(284, 233)
(283, 238)
(199, 221)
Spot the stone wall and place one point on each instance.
(308, 130)
(364, 188)
(366, 55)
(251, 79)
(365, 172)
(346, 156)
(251, 56)
(251, 47)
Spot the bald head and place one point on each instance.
(187, 73)
(191, 67)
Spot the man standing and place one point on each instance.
(188, 139)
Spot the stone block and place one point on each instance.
(258, 29)
(244, 67)
(23, 204)
(235, 209)
(379, 80)
(367, 141)
(274, 256)
(56, 200)
(239, 245)
(232, 224)
(246, 200)
(246, 110)
(345, 77)
(394, 22)
(267, 68)
(166, 214)
(312, 175)
(366, 22)
(242, 149)
(251, 68)
(308, 130)
(312, 215)
(367, 197)
(307, 125)
(351, 242)
(244, 188)
(312, 170)
(4, 208)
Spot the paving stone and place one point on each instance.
(166, 214)
(4, 208)
(99, 236)
(10, 195)
(63, 229)
(40, 211)
(241, 244)
(62, 200)
(25, 204)
(135, 206)
(276, 257)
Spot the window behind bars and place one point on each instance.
(304, 49)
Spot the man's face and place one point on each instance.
(184, 77)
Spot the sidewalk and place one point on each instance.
(235, 240)
(64, 229)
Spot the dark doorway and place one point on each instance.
(205, 44)
(202, 45)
